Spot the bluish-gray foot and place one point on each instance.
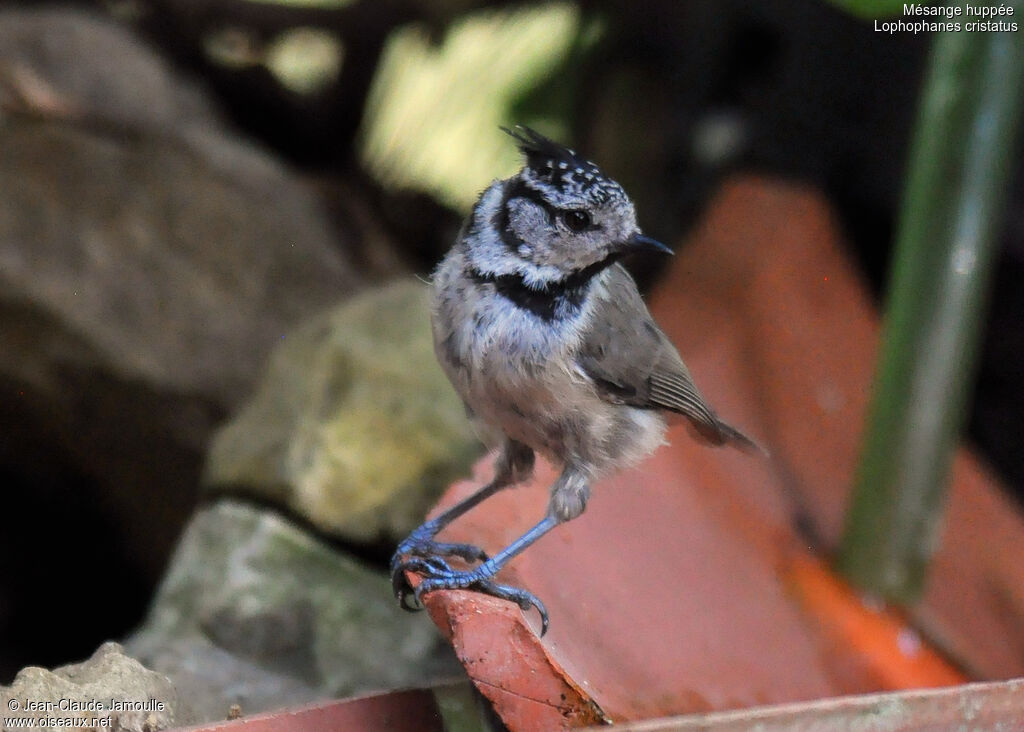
(436, 574)
(427, 554)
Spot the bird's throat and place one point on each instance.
(553, 300)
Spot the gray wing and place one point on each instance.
(632, 362)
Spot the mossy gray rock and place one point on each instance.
(256, 612)
(354, 427)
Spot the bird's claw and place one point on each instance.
(400, 584)
(426, 559)
(420, 554)
(523, 598)
(449, 579)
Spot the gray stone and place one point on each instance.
(77, 64)
(109, 686)
(255, 612)
(149, 260)
(354, 427)
(146, 260)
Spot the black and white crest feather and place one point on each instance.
(542, 152)
(552, 166)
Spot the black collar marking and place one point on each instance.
(559, 299)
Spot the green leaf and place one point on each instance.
(959, 174)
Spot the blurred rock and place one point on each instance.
(140, 290)
(110, 679)
(148, 261)
(57, 61)
(255, 612)
(354, 428)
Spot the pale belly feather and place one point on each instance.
(519, 378)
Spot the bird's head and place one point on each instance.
(559, 216)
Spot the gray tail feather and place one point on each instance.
(722, 433)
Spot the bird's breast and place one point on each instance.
(505, 362)
(518, 374)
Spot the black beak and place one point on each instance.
(638, 243)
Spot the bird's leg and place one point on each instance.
(514, 464)
(479, 578)
(568, 500)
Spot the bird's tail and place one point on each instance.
(722, 433)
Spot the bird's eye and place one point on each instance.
(576, 220)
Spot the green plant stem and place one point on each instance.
(959, 173)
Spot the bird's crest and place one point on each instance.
(549, 163)
(543, 152)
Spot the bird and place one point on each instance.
(544, 335)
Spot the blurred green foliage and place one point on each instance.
(305, 60)
(432, 117)
(961, 167)
(554, 97)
